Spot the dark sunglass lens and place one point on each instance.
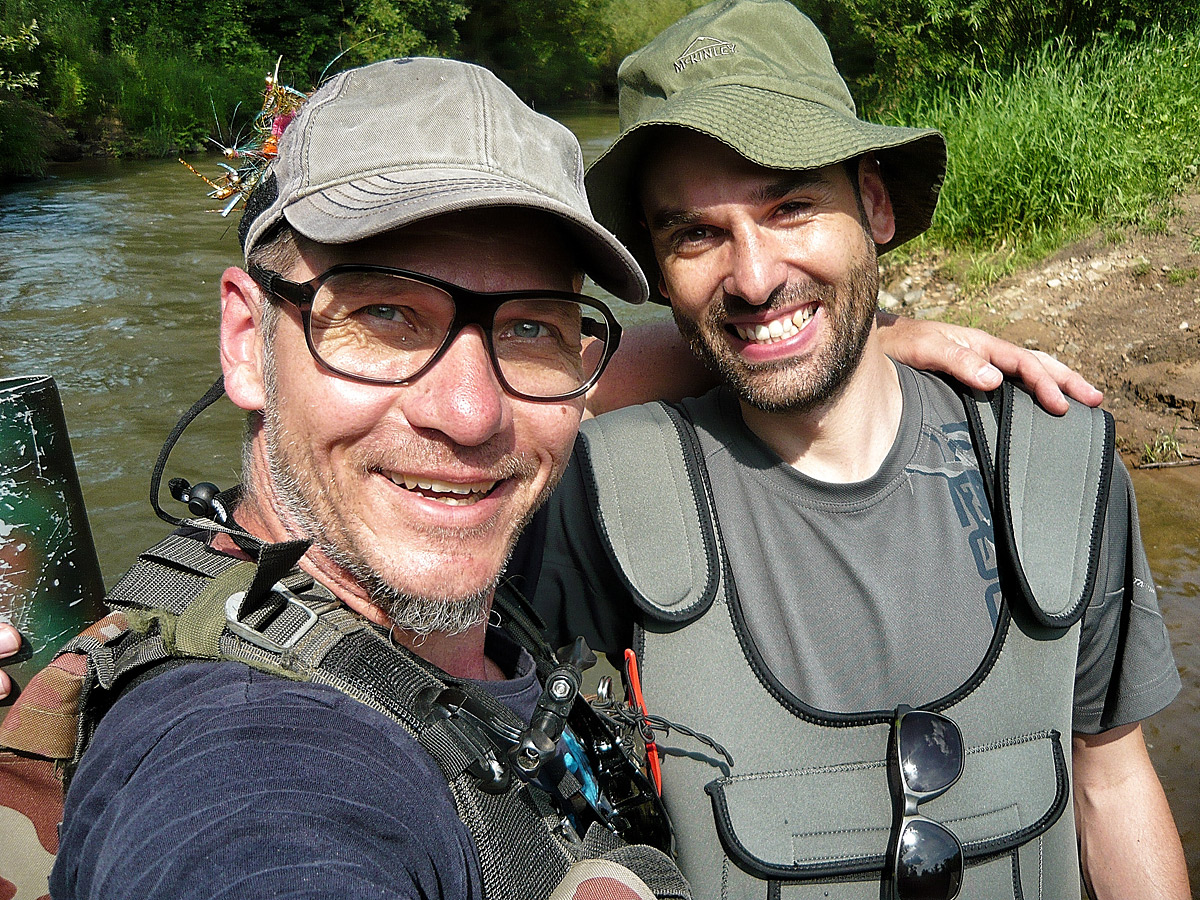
(929, 862)
(931, 751)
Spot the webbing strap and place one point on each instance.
(199, 627)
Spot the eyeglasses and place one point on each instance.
(925, 757)
(389, 326)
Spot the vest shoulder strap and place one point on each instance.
(648, 491)
(1048, 479)
(650, 499)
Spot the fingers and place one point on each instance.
(962, 353)
(1049, 380)
(10, 640)
(10, 643)
(1069, 381)
(979, 360)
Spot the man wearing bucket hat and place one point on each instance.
(408, 338)
(886, 599)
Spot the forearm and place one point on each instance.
(655, 363)
(1129, 846)
(652, 363)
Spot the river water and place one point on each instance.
(108, 282)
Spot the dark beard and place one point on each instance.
(794, 385)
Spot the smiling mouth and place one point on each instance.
(445, 492)
(780, 329)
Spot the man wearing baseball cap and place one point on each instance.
(332, 708)
(917, 622)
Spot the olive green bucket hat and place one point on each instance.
(758, 76)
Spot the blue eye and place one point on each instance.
(527, 329)
(381, 311)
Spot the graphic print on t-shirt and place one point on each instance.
(970, 502)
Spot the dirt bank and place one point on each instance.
(1123, 310)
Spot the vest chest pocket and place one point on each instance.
(820, 823)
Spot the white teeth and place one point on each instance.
(777, 329)
(461, 494)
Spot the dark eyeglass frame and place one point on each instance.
(470, 308)
(908, 798)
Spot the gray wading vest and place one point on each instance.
(183, 601)
(806, 811)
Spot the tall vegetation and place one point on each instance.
(1068, 138)
(1059, 113)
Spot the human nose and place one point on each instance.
(460, 396)
(756, 265)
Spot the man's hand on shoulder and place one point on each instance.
(981, 360)
(654, 362)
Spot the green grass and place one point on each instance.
(1164, 448)
(1071, 140)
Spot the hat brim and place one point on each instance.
(776, 131)
(382, 202)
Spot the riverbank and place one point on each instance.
(1121, 306)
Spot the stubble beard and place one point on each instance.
(298, 503)
(794, 385)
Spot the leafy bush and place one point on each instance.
(892, 45)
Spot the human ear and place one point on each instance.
(241, 340)
(877, 203)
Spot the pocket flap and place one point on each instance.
(836, 820)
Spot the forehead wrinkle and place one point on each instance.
(788, 183)
(771, 191)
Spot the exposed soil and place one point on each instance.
(1124, 312)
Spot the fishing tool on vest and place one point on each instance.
(634, 680)
(580, 752)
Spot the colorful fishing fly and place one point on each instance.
(235, 184)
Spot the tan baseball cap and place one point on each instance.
(389, 144)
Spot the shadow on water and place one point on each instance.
(109, 282)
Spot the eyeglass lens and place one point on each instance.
(386, 327)
(929, 862)
(929, 858)
(931, 752)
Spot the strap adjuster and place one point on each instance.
(233, 608)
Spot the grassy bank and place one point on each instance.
(1071, 139)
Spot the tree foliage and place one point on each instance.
(884, 45)
(171, 72)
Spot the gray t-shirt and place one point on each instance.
(864, 596)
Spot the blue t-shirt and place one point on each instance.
(215, 781)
